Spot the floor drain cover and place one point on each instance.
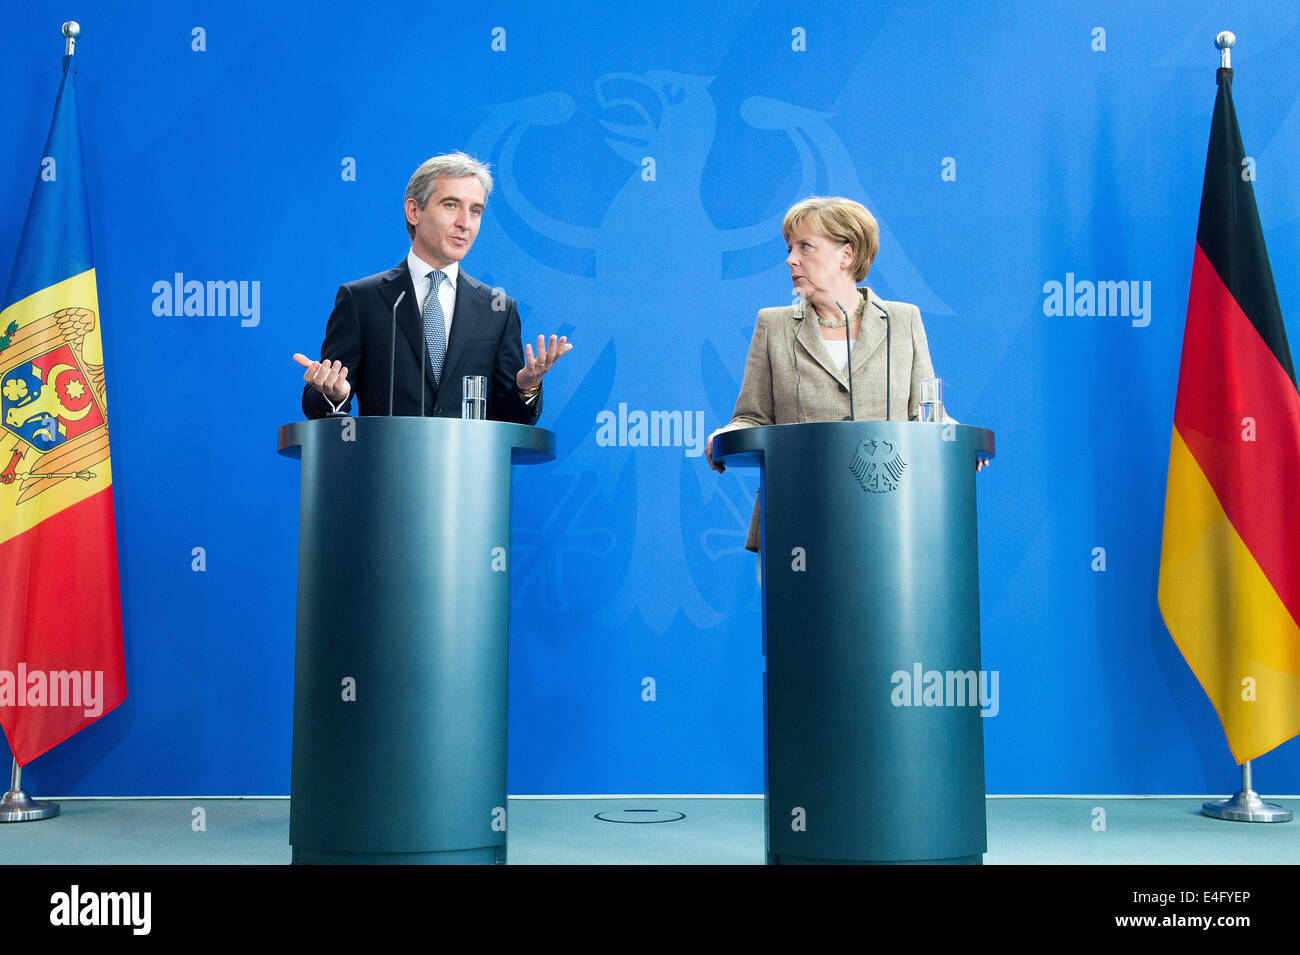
(639, 815)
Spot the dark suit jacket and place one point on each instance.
(485, 340)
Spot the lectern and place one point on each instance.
(401, 656)
(873, 686)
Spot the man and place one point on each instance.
(448, 324)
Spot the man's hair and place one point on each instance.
(840, 220)
(455, 165)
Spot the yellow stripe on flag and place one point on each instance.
(17, 516)
(1226, 618)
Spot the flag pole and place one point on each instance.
(17, 806)
(1225, 41)
(1245, 805)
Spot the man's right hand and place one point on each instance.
(330, 378)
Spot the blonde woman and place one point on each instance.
(797, 369)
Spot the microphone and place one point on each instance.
(794, 354)
(888, 371)
(392, 352)
(849, 345)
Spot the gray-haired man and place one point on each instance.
(449, 325)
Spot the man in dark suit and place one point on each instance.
(449, 325)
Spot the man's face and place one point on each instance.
(448, 224)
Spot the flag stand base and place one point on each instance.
(1246, 806)
(17, 806)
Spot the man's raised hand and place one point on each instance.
(529, 377)
(330, 378)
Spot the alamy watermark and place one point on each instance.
(77, 907)
(651, 429)
(1125, 298)
(921, 687)
(83, 688)
(209, 299)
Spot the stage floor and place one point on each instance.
(724, 830)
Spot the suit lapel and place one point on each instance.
(872, 331)
(870, 336)
(471, 303)
(809, 337)
(396, 282)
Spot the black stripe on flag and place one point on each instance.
(1229, 232)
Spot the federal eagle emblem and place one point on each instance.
(878, 466)
(53, 416)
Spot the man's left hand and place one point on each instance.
(529, 377)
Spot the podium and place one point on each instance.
(400, 667)
(873, 743)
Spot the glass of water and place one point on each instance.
(473, 402)
(931, 399)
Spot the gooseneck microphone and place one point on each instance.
(392, 352)
(889, 376)
(848, 344)
(794, 354)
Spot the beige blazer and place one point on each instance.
(790, 376)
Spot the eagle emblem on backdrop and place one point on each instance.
(53, 417)
(878, 466)
(637, 237)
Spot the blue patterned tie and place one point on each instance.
(435, 327)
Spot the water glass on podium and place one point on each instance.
(473, 403)
(931, 399)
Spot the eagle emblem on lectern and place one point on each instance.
(878, 466)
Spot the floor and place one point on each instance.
(647, 830)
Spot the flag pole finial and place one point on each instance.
(1225, 41)
(71, 30)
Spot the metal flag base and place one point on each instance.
(1246, 806)
(17, 806)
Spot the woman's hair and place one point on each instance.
(841, 220)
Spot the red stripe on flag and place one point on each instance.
(1229, 374)
(62, 614)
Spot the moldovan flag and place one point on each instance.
(1230, 560)
(60, 614)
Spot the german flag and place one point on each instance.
(61, 663)
(1230, 559)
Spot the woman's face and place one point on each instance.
(817, 264)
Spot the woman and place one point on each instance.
(798, 359)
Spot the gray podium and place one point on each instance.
(399, 706)
(870, 590)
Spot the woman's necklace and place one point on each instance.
(862, 304)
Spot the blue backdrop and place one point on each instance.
(644, 158)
